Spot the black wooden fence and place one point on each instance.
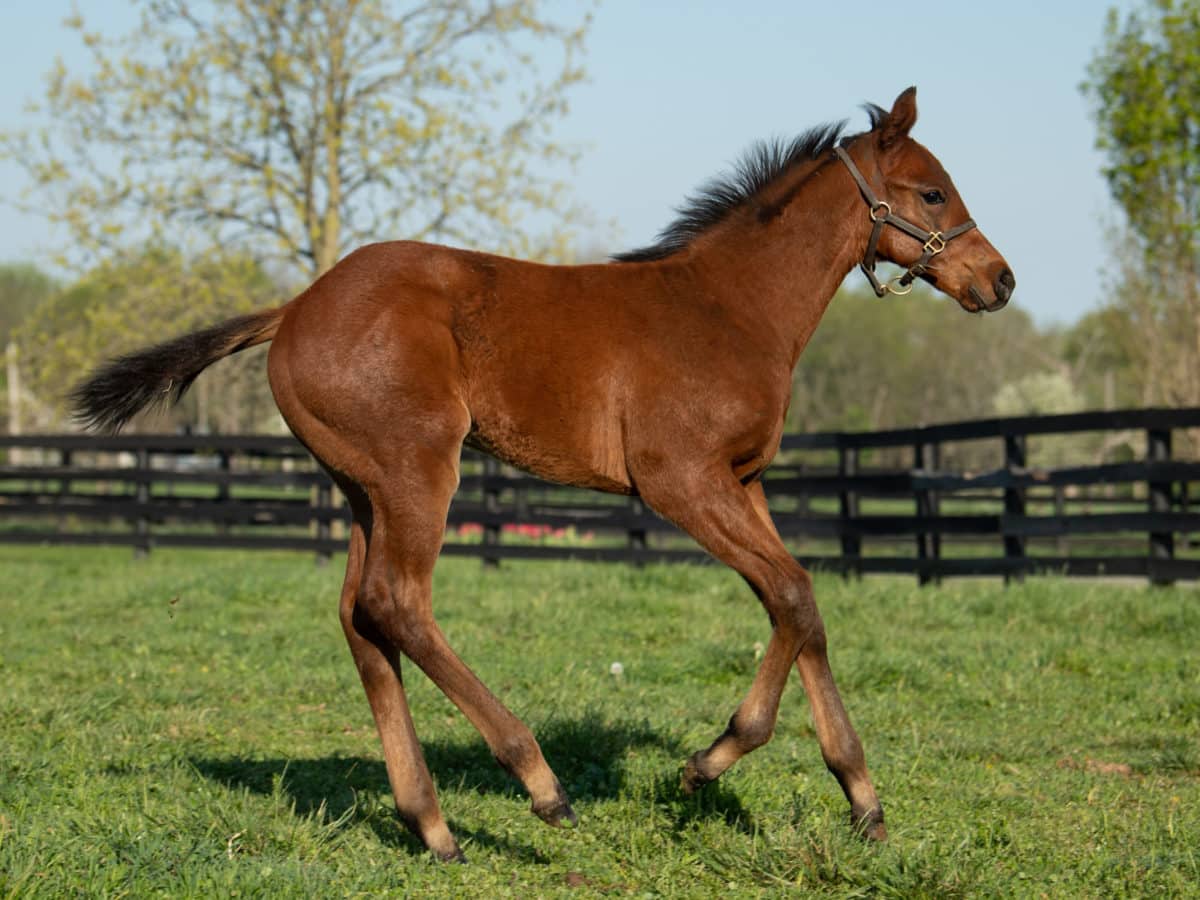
(944, 500)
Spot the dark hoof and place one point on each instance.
(877, 832)
(451, 855)
(693, 779)
(438, 840)
(559, 814)
(869, 825)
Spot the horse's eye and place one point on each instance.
(933, 197)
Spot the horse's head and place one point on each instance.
(919, 220)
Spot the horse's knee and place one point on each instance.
(750, 731)
(797, 608)
(371, 607)
(814, 642)
(391, 609)
(843, 754)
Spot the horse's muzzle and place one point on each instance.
(1003, 289)
(1004, 286)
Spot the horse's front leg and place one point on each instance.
(731, 522)
(840, 746)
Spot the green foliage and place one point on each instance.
(912, 361)
(191, 725)
(1145, 87)
(1144, 84)
(129, 302)
(1038, 394)
(23, 287)
(303, 129)
(1045, 394)
(1099, 347)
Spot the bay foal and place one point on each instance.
(665, 373)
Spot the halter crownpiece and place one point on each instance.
(933, 242)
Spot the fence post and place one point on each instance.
(637, 534)
(1014, 505)
(224, 467)
(935, 509)
(322, 501)
(521, 501)
(1184, 506)
(491, 505)
(803, 507)
(64, 460)
(927, 458)
(1162, 543)
(337, 525)
(64, 484)
(848, 501)
(1060, 510)
(521, 507)
(141, 523)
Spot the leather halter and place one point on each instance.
(933, 242)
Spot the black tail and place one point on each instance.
(124, 386)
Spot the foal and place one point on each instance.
(666, 374)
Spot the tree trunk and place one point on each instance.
(14, 389)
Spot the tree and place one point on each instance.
(1144, 84)
(23, 287)
(124, 303)
(1045, 393)
(305, 127)
(917, 361)
(1145, 87)
(1097, 351)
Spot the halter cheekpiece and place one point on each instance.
(933, 242)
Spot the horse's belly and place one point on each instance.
(566, 450)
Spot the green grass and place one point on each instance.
(192, 725)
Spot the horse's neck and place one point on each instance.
(783, 273)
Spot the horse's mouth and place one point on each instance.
(981, 305)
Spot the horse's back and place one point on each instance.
(463, 344)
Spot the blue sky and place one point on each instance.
(677, 90)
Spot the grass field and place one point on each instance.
(192, 725)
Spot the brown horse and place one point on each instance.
(665, 373)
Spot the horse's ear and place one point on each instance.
(896, 124)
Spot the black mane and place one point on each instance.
(764, 162)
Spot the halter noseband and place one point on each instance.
(933, 242)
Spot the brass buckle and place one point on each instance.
(935, 243)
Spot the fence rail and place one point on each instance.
(833, 501)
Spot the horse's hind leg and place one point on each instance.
(378, 666)
(732, 523)
(383, 409)
(409, 517)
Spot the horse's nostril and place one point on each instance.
(1005, 282)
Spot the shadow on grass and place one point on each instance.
(588, 754)
(712, 802)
